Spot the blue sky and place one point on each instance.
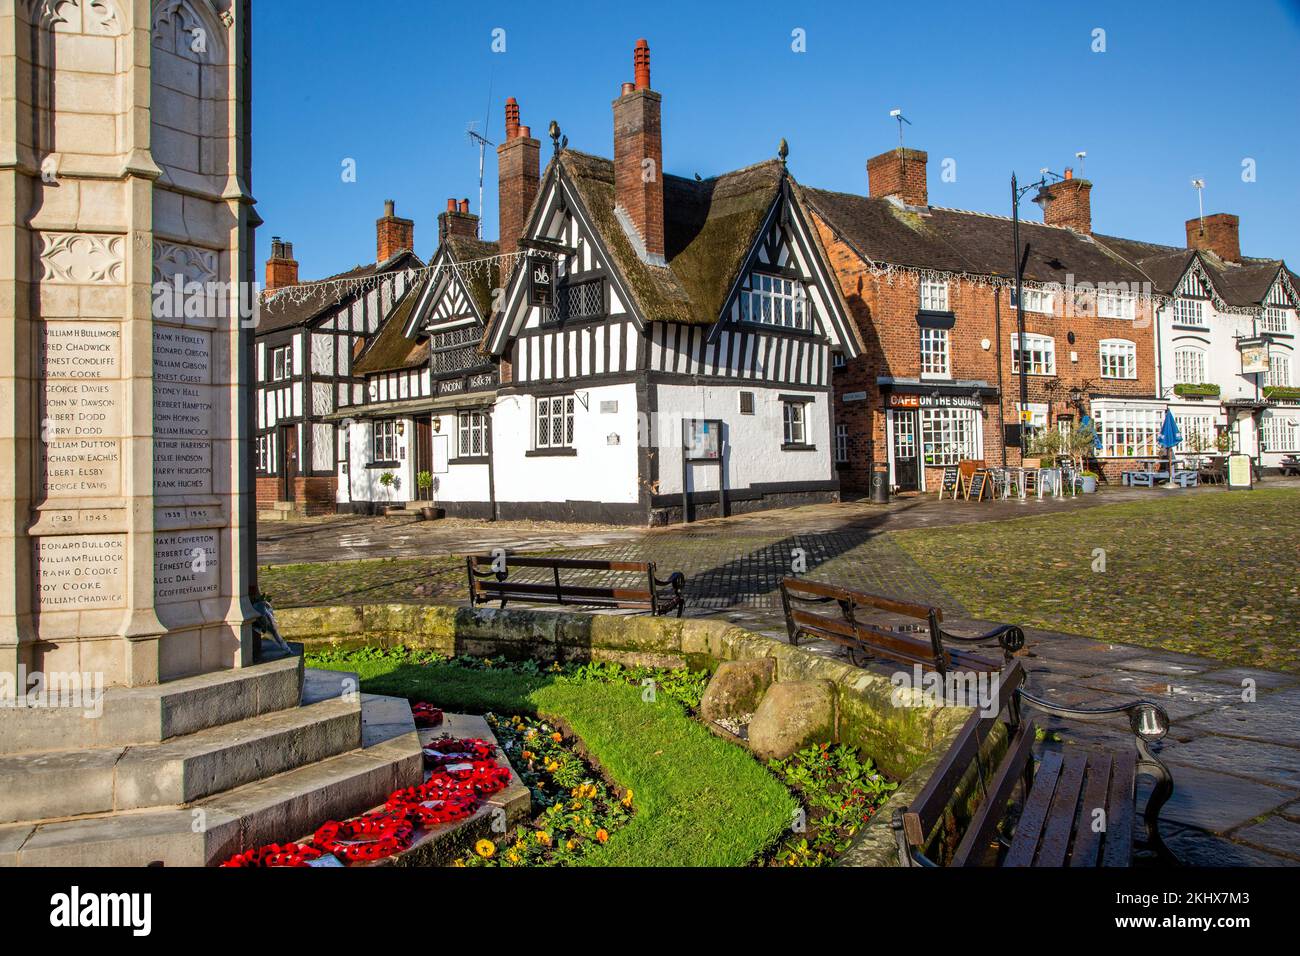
(1182, 90)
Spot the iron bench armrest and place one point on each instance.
(1009, 637)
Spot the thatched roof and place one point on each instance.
(391, 349)
(709, 228)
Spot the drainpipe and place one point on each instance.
(997, 338)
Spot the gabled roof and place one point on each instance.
(391, 349)
(481, 282)
(1241, 285)
(280, 311)
(962, 242)
(709, 228)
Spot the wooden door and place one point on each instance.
(423, 456)
(288, 449)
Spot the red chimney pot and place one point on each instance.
(512, 118)
(451, 205)
(641, 64)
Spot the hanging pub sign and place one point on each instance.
(1254, 355)
(541, 281)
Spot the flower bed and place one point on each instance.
(578, 810)
(582, 817)
(841, 792)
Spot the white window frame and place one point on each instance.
(794, 422)
(1275, 319)
(1036, 300)
(1280, 433)
(1190, 424)
(280, 363)
(1118, 358)
(1190, 312)
(936, 361)
(1185, 357)
(1116, 304)
(266, 454)
(775, 300)
(1279, 369)
(384, 440)
(471, 427)
(949, 435)
(934, 295)
(553, 422)
(1129, 431)
(1041, 350)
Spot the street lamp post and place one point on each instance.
(1042, 199)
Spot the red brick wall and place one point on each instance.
(1221, 236)
(899, 172)
(638, 184)
(886, 312)
(315, 496)
(268, 491)
(518, 174)
(1071, 205)
(393, 234)
(312, 495)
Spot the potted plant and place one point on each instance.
(1089, 482)
(430, 511)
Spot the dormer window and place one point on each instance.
(1190, 312)
(934, 295)
(774, 300)
(1275, 320)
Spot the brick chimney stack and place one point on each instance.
(1219, 234)
(394, 235)
(281, 268)
(518, 174)
(899, 173)
(1071, 204)
(457, 221)
(639, 157)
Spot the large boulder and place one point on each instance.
(792, 715)
(737, 687)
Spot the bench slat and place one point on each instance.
(974, 845)
(569, 564)
(1061, 816)
(495, 590)
(1030, 827)
(798, 585)
(890, 644)
(1118, 850)
(1087, 841)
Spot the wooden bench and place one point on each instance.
(1073, 808)
(905, 643)
(488, 584)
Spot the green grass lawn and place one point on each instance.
(1211, 574)
(700, 801)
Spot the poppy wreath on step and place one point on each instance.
(450, 750)
(425, 714)
(275, 854)
(435, 812)
(370, 837)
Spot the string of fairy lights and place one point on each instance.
(466, 270)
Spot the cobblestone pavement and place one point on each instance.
(1235, 758)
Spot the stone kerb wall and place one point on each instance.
(899, 738)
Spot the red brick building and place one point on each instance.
(933, 292)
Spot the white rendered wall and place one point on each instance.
(600, 471)
(753, 452)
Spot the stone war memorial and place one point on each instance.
(133, 683)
